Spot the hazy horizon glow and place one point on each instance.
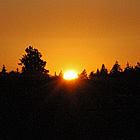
(71, 34)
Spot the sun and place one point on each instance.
(70, 75)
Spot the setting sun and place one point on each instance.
(70, 75)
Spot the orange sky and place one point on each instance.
(71, 34)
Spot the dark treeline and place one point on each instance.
(35, 105)
(32, 64)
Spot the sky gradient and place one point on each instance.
(71, 34)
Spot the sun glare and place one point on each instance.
(70, 75)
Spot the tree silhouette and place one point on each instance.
(137, 67)
(91, 75)
(116, 68)
(12, 73)
(128, 68)
(103, 70)
(61, 74)
(3, 71)
(55, 74)
(97, 72)
(31, 62)
(83, 75)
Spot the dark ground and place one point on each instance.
(99, 109)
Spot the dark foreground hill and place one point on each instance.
(105, 108)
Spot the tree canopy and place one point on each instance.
(116, 68)
(31, 62)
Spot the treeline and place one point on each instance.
(115, 71)
(33, 65)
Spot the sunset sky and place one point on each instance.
(71, 34)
